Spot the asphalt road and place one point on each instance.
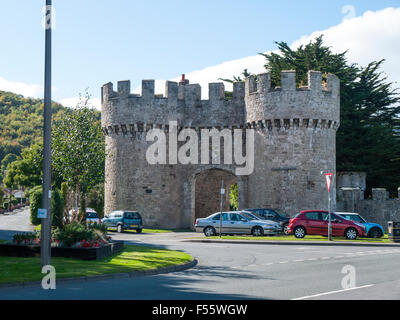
(244, 271)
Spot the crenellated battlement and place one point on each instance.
(255, 103)
(318, 100)
(189, 92)
(261, 83)
(180, 103)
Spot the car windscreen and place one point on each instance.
(91, 215)
(132, 215)
(353, 217)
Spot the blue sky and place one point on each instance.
(97, 41)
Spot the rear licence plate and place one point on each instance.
(133, 225)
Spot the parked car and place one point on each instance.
(235, 222)
(374, 230)
(124, 220)
(272, 214)
(90, 217)
(315, 222)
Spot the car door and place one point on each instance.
(338, 226)
(314, 223)
(238, 224)
(221, 226)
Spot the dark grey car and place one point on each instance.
(235, 222)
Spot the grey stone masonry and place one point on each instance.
(294, 143)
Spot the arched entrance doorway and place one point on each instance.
(207, 194)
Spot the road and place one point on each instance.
(244, 271)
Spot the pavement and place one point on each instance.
(244, 271)
(14, 222)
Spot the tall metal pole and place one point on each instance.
(330, 216)
(46, 197)
(220, 207)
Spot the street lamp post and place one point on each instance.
(46, 188)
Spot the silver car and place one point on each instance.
(236, 222)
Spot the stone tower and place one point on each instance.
(294, 140)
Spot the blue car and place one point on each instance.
(374, 230)
(124, 220)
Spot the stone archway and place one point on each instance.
(211, 173)
(207, 191)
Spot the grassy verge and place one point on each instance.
(37, 228)
(154, 230)
(384, 239)
(133, 258)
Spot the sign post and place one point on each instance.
(220, 207)
(329, 179)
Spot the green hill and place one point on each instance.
(21, 122)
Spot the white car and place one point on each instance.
(90, 217)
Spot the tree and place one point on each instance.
(370, 109)
(233, 196)
(78, 150)
(96, 199)
(1, 197)
(26, 172)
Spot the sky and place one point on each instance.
(98, 41)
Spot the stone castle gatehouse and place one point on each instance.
(294, 143)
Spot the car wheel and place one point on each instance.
(139, 230)
(209, 232)
(286, 228)
(120, 229)
(299, 232)
(375, 233)
(351, 234)
(257, 232)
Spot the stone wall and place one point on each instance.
(379, 209)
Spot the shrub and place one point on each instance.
(27, 238)
(35, 199)
(57, 206)
(79, 235)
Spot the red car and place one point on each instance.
(315, 222)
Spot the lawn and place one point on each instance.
(384, 239)
(133, 258)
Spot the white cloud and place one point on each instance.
(27, 90)
(372, 36)
(72, 102)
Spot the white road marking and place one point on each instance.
(284, 262)
(332, 292)
(325, 258)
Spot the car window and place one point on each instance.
(250, 216)
(313, 215)
(257, 211)
(117, 215)
(237, 217)
(224, 216)
(132, 215)
(324, 215)
(269, 213)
